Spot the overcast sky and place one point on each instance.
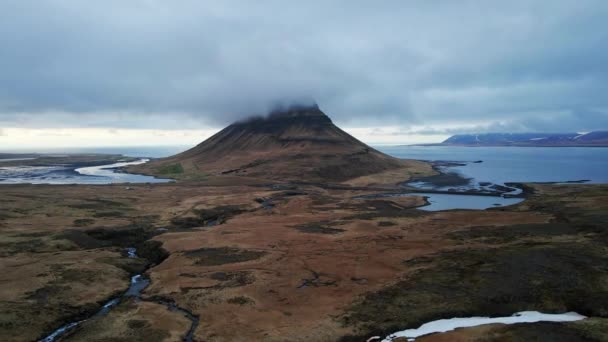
(387, 71)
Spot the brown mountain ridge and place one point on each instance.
(297, 143)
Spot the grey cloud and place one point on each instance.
(525, 65)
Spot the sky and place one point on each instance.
(152, 72)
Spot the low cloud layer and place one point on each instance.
(517, 65)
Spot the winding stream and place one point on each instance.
(138, 283)
(109, 174)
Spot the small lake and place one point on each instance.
(453, 201)
(447, 201)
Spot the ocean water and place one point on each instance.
(128, 151)
(516, 164)
(498, 165)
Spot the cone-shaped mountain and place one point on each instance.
(296, 143)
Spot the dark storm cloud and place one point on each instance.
(523, 65)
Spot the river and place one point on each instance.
(62, 174)
(138, 283)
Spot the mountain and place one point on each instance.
(596, 138)
(295, 143)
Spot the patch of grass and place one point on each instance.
(233, 279)
(102, 214)
(99, 204)
(207, 217)
(222, 255)
(33, 234)
(199, 177)
(22, 211)
(171, 169)
(471, 282)
(21, 246)
(186, 222)
(318, 228)
(122, 236)
(220, 213)
(545, 332)
(46, 293)
(123, 323)
(240, 300)
(517, 232)
(137, 323)
(85, 222)
(79, 275)
(5, 215)
(153, 251)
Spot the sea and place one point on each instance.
(515, 164)
(496, 165)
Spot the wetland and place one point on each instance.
(233, 258)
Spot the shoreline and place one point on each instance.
(98, 172)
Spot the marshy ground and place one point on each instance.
(315, 265)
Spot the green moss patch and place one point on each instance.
(171, 169)
(544, 277)
(318, 228)
(222, 255)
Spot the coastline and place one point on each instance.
(314, 222)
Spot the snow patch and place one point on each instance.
(444, 325)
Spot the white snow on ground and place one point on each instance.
(538, 138)
(444, 325)
(578, 136)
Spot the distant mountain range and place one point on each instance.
(596, 138)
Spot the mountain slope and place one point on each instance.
(298, 143)
(596, 138)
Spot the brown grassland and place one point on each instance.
(260, 260)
